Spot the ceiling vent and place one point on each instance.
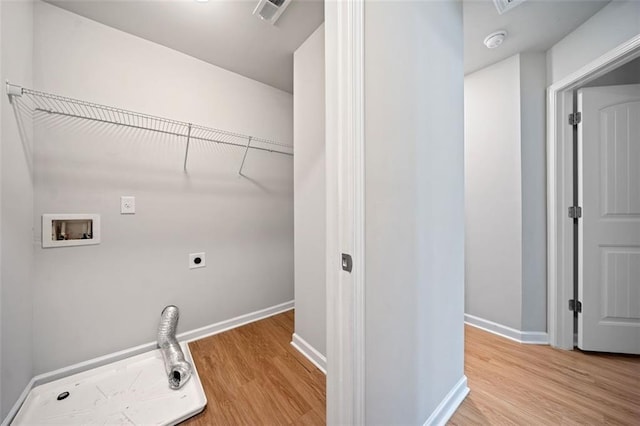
(270, 10)
(506, 5)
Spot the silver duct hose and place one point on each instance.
(178, 370)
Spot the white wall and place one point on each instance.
(534, 191)
(629, 73)
(493, 193)
(505, 193)
(413, 208)
(309, 191)
(94, 300)
(16, 211)
(505, 169)
(614, 24)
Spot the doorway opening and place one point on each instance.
(566, 216)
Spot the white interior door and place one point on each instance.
(609, 231)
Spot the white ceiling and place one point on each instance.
(221, 32)
(226, 34)
(533, 26)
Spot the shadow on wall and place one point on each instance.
(24, 119)
(111, 152)
(151, 145)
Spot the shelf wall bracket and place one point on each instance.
(244, 157)
(186, 151)
(13, 90)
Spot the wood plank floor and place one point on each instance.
(520, 384)
(253, 376)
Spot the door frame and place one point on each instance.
(344, 79)
(560, 252)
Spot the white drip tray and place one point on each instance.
(133, 391)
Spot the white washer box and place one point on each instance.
(63, 230)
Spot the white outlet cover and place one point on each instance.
(197, 260)
(127, 204)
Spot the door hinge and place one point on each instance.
(575, 118)
(575, 212)
(575, 306)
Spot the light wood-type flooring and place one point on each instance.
(520, 384)
(253, 376)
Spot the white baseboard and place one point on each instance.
(14, 410)
(449, 404)
(310, 352)
(210, 330)
(525, 337)
(534, 337)
(187, 336)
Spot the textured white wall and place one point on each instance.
(16, 211)
(414, 212)
(493, 193)
(94, 300)
(309, 191)
(616, 23)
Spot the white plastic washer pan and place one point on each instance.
(133, 391)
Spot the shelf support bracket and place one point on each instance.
(244, 157)
(13, 91)
(186, 151)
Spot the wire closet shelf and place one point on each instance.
(69, 107)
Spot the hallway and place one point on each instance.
(512, 383)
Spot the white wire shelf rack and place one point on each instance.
(69, 107)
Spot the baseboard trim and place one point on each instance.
(449, 404)
(187, 336)
(534, 337)
(210, 330)
(14, 410)
(309, 352)
(524, 337)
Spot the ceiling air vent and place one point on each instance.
(506, 5)
(270, 10)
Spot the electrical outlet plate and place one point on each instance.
(127, 204)
(197, 260)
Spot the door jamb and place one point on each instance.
(344, 57)
(560, 191)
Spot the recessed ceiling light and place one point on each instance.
(494, 40)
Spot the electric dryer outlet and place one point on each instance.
(196, 260)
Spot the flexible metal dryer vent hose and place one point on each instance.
(178, 370)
